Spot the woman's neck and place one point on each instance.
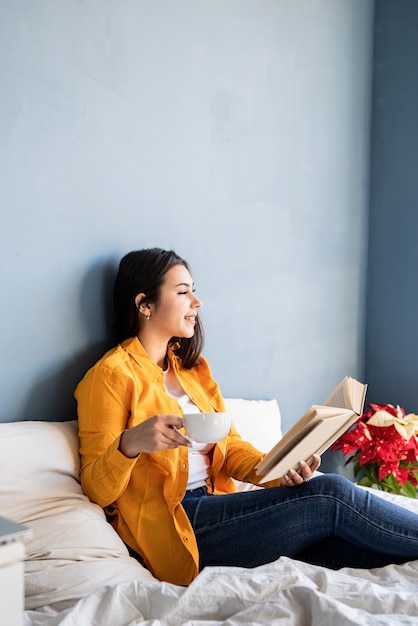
(156, 350)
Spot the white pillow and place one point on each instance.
(73, 549)
(257, 421)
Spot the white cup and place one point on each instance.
(207, 427)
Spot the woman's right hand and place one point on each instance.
(156, 433)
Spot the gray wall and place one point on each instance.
(392, 312)
(236, 132)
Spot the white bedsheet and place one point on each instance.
(78, 572)
(287, 592)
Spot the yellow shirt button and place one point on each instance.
(184, 466)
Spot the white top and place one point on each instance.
(199, 464)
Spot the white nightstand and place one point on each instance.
(12, 553)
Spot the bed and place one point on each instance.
(79, 573)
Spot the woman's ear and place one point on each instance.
(141, 304)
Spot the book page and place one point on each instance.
(316, 430)
(321, 436)
(349, 394)
(337, 397)
(298, 432)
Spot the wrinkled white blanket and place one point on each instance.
(286, 592)
(78, 572)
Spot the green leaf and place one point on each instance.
(409, 490)
(365, 482)
(367, 476)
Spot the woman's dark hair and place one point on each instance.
(143, 271)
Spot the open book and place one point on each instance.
(316, 431)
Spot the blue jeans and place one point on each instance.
(326, 521)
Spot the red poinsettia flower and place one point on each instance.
(384, 446)
(397, 411)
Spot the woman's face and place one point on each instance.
(174, 315)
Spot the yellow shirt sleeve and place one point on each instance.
(103, 411)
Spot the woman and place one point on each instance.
(174, 503)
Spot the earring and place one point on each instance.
(148, 316)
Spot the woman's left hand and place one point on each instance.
(293, 478)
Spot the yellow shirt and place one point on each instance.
(142, 496)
